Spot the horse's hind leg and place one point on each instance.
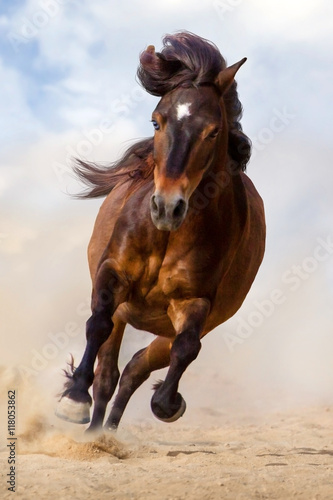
(109, 291)
(153, 357)
(106, 374)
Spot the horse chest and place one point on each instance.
(160, 280)
(173, 279)
(180, 277)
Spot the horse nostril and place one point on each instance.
(154, 206)
(179, 209)
(157, 206)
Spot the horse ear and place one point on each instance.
(148, 56)
(226, 77)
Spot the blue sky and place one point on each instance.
(68, 67)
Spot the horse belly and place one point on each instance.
(143, 317)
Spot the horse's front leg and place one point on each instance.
(106, 374)
(109, 291)
(188, 318)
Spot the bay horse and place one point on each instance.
(179, 238)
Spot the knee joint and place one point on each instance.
(186, 347)
(99, 323)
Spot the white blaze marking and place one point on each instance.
(183, 110)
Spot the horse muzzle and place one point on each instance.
(168, 214)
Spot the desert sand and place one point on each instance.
(210, 455)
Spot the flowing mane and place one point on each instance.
(185, 60)
(136, 163)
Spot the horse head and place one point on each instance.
(190, 131)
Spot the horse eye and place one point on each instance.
(214, 133)
(155, 125)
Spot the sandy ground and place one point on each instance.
(212, 456)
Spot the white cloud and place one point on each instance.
(288, 21)
(17, 120)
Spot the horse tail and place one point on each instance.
(136, 163)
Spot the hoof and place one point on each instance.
(73, 411)
(179, 413)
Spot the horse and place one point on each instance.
(179, 238)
